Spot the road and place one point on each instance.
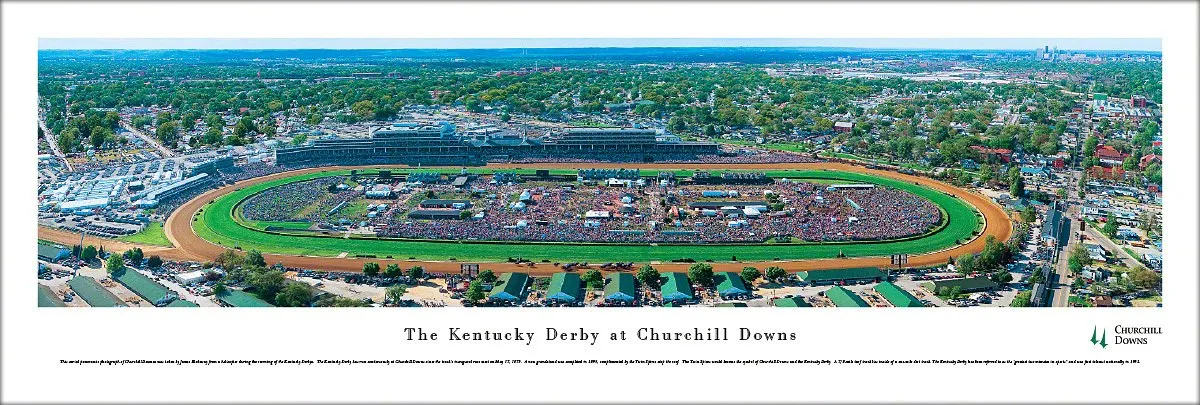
(148, 139)
(1126, 259)
(1062, 290)
(189, 246)
(52, 140)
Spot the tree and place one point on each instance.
(395, 293)
(416, 273)
(88, 253)
(1028, 214)
(294, 295)
(266, 283)
(114, 264)
(1017, 186)
(364, 109)
(1023, 299)
(701, 273)
(1110, 227)
(228, 259)
(371, 269)
(391, 271)
(1148, 221)
(299, 139)
(475, 291)
(593, 279)
(220, 289)
(1130, 164)
(1089, 146)
(487, 276)
(648, 276)
(68, 140)
(1145, 279)
(750, 273)
(168, 133)
(134, 255)
(776, 273)
(254, 258)
(99, 136)
(154, 262)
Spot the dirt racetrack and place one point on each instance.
(189, 246)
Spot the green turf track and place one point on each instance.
(218, 224)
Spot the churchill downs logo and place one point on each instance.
(1121, 335)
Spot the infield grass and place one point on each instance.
(151, 235)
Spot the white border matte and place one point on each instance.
(35, 339)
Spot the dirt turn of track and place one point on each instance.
(189, 246)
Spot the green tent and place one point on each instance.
(794, 302)
(676, 287)
(897, 296)
(620, 287)
(565, 287)
(844, 298)
(509, 287)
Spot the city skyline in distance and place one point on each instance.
(964, 44)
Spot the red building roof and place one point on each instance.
(1108, 152)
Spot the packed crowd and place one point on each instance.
(744, 156)
(805, 211)
(302, 200)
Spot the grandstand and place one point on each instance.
(429, 142)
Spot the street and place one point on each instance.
(148, 139)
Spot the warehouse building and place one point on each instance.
(966, 285)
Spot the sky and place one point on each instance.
(1092, 44)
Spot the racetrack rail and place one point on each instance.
(190, 246)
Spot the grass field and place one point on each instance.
(151, 235)
(217, 224)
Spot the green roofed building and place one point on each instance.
(150, 290)
(897, 296)
(510, 288)
(182, 303)
(619, 289)
(93, 293)
(966, 285)
(47, 297)
(676, 287)
(565, 288)
(239, 298)
(794, 302)
(826, 277)
(844, 298)
(731, 286)
(52, 253)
